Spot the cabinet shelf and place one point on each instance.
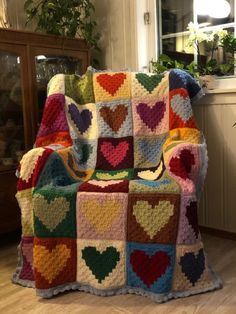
(23, 81)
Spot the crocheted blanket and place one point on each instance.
(109, 195)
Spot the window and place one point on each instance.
(173, 19)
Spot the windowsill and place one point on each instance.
(220, 91)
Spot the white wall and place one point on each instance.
(126, 42)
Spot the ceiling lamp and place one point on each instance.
(214, 8)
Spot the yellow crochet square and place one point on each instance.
(101, 263)
(111, 86)
(182, 135)
(24, 199)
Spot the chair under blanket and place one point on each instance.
(109, 194)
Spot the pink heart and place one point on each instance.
(114, 154)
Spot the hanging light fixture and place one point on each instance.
(214, 8)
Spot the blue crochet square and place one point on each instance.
(150, 266)
(115, 118)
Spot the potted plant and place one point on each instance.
(68, 18)
(220, 46)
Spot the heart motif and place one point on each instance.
(151, 116)
(149, 268)
(149, 82)
(193, 265)
(50, 263)
(99, 213)
(181, 166)
(52, 213)
(111, 82)
(101, 264)
(152, 175)
(82, 120)
(152, 218)
(114, 118)
(110, 176)
(29, 162)
(104, 184)
(191, 214)
(114, 154)
(182, 107)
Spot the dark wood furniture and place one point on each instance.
(27, 62)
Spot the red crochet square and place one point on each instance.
(54, 262)
(115, 153)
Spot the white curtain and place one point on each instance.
(4, 22)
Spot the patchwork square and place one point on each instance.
(115, 119)
(150, 266)
(115, 153)
(56, 85)
(188, 231)
(181, 113)
(85, 153)
(82, 119)
(102, 215)
(54, 262)
(191, 270)
(148, 150)
(26, 248)
(183, 165)
(80, 88)
(153, 218)
(123, 174)
(111, 86)
(150, 116)
(54, 211)
(149, 84)
(101, 264)
(164, 185)
(24, 199)
(110, 186)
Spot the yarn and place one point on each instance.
(109, 194)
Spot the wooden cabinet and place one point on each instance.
(27, 62)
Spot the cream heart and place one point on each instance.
(108, 176)
(50, 214)
(50, 263)
(151, 175)
(101, 214)
(29, 161)
(153, 218)
(104, 184)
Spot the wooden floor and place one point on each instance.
(221, 253)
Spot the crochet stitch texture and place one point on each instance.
(109, 195)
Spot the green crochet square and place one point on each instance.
(55, 211)
(80, 88)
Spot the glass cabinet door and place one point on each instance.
(48, 66)
(12, 144)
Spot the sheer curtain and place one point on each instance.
(4, 21)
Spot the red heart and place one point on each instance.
(149, 268)
(114, 155)
(111, 82)
(181, 166)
